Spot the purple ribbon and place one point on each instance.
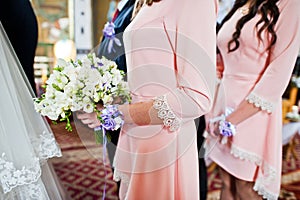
(103, 156)
(108, 123)
(104, 160)
(109, 32)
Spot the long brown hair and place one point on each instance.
(269, 16)
(140, 3)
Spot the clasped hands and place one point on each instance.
(221, 126)
(213, 126)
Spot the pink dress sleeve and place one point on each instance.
(194, 42)
(283, 55)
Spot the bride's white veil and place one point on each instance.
(26, 140)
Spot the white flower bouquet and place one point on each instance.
(79, 86)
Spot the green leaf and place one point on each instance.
(58, 68)
(56, 87)
(68, 125)
(99, 136)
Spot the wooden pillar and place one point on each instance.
(100, 9)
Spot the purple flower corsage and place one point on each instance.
(227, 128)
(111, 118)
(109, 32)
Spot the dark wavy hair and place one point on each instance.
(140, 3)
(150, 2)
(269, 16)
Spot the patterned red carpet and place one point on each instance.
(81, 168)
(82, 173)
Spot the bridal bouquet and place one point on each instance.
(79, 86)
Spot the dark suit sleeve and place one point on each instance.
(20, 24)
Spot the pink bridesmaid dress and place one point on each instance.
(255, 152)
(161, 161)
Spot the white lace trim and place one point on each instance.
(166, 114)
(34, 191)
(46, 146)
(245, 155)
(124, 178)
(119, 176)
(11, 177)
(260, 102)
(269, 172)
(260, 189)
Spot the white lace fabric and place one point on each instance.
(26, 140)
(32, 191)
(261, 182)
(260, 102)
(165, 113)
(46, 146)
(12, 176)
(261, 190)
(119, 176)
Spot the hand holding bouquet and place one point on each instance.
(81, 85)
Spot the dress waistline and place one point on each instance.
(139, 97)
(245, 77)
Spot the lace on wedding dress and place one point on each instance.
(26, 140)
(11, 177)
(46, 146)
(32, 191)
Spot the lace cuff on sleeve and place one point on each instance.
(166, 114)
(260, 102)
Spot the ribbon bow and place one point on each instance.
(109, 32)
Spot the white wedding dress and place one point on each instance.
(26, 140)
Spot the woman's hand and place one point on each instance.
(90, 119)
(213, 128)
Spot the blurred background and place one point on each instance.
(70, 29)
(67, 29)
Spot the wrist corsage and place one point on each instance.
(111, 120)
(226, 128)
